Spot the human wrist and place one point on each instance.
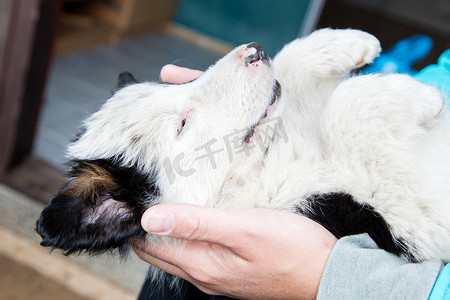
(305, 281)
(320, 262)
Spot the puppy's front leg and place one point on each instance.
(310, 69)
(326, 54)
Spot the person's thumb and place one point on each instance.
(191, 222)
(178, 75)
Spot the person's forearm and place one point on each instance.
(357, 269)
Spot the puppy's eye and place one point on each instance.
(182, 126)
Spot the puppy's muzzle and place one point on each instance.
(259, 55)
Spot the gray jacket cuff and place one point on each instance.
(358, 269)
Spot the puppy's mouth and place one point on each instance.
(272, 105)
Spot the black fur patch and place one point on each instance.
(99, 209)
(79, 133)
(342, 216)
(125, 78)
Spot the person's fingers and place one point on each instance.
(194, 223)
(219, 250)
(144, 251)
(178, 75)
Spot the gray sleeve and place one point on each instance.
(358, 269)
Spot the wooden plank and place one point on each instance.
(36, 78)
(34, 178)
(55, 267)
(80, 39)
(16, 55)
(124, 18)
(78, 20)
(198, 39)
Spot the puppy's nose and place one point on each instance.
(258, 55)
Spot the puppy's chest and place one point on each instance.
(282, 181)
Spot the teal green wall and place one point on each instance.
(272, 23)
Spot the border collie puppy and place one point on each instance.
(296, 133)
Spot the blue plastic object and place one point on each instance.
(441, 289)
(401, 57)
(438, 75)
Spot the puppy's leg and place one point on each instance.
(326, 54)
(309, 69)
(380, 133)
(382, 107)
(377, 118)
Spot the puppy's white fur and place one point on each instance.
(385, 140)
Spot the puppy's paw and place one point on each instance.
(366, 47)
(428, 103)
(350, 49)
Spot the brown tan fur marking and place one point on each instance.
(92, 183)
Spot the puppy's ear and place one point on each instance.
(125, 78)
(99, 209)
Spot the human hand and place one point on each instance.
(249, 254)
